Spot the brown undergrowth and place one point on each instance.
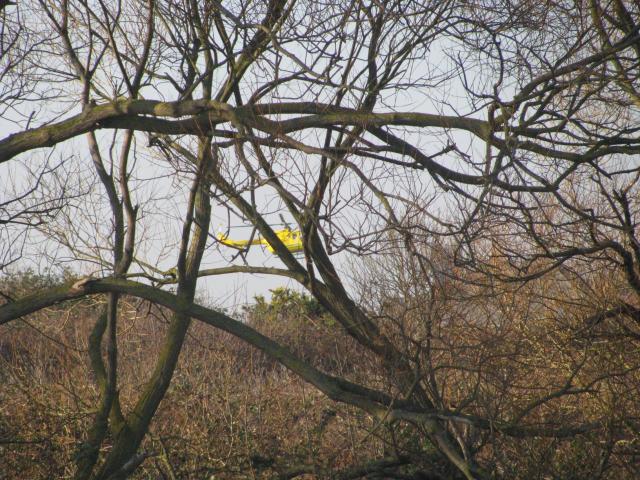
(230, 412)
(233, 413)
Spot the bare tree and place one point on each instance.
(482, 143)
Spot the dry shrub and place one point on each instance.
(231, 412)
(531, 354)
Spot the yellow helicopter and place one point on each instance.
(292, 239)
